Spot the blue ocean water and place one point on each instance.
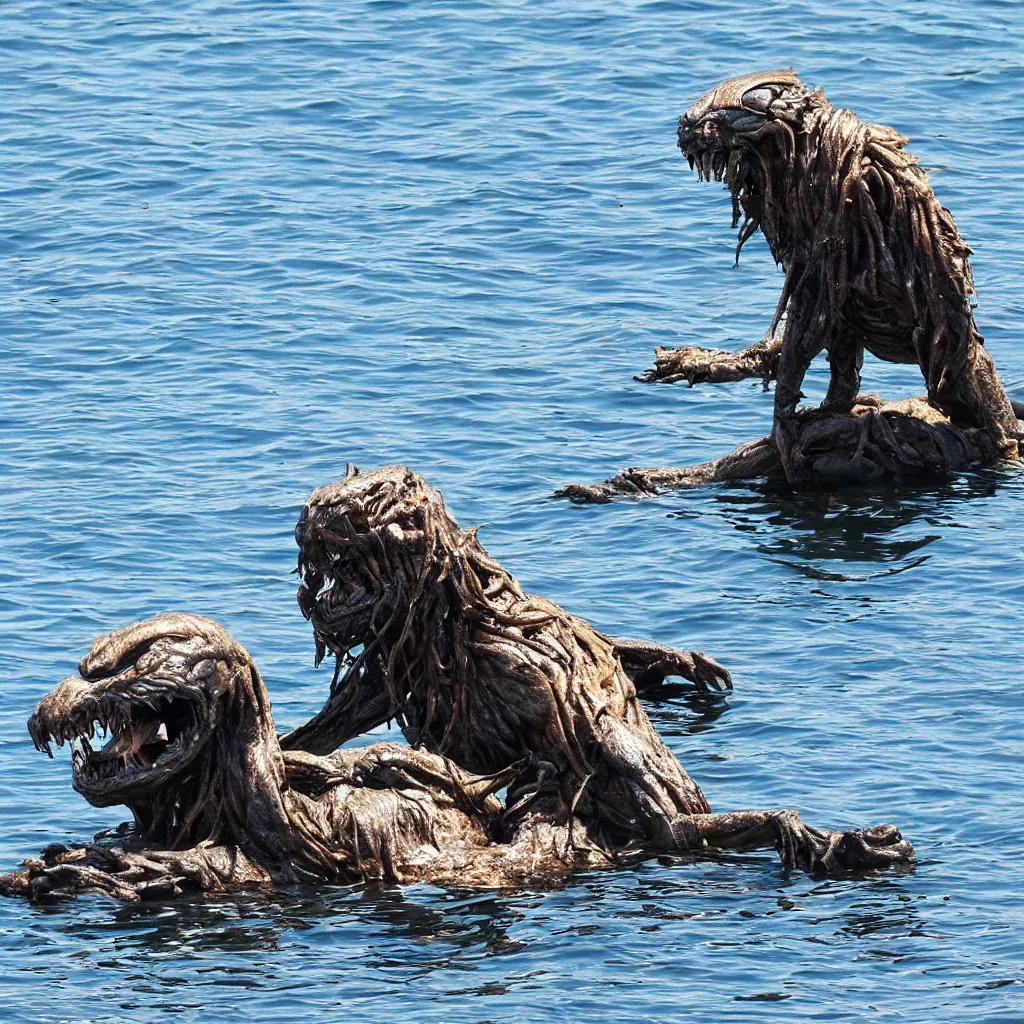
(245, 243)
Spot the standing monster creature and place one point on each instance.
(427, 628)
(872, 262)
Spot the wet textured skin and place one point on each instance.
(475, 669)
(873, 262)
(217, 805)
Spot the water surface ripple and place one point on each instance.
(244, 243)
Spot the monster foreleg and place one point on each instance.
(710, 365)
(64, 872)
(798, 845)
(714, 366)
(360, 702)
(649, 664)
(845, 357)
(802, 344)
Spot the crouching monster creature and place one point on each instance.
(217, 804)
(873, 262)
(427, 628)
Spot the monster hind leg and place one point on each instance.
(976, 398)
(751, 461)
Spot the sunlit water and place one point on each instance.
(245, 243)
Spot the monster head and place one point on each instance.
(368, 545)
(395, 588)
(725, 124)
(174, 696)
(744, 132)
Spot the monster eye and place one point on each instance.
(741, 121)
(301, 526)
(358, 520)
(759, 99)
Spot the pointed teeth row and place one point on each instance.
(716, 164)
(114, 720)
(122, 758)
(92, 769)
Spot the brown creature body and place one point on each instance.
(872, 261)
(477, 670)
(217, 805)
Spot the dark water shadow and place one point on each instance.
(687, 711)
(864, 903)
(801, 529)
(193, 926)
(424, 928)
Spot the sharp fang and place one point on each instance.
(118, 746)
(326, 588)
(302, 576)
(161, 733)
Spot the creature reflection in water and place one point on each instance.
(866, 529)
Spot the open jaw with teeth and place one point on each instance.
(193, 752)
(140, 740)
(715, 158)
(153, 728)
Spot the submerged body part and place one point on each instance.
(873, 262)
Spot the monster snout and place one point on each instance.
(686, 134)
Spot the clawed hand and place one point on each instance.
(695, 365)
(64, 872)
(823, 852)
